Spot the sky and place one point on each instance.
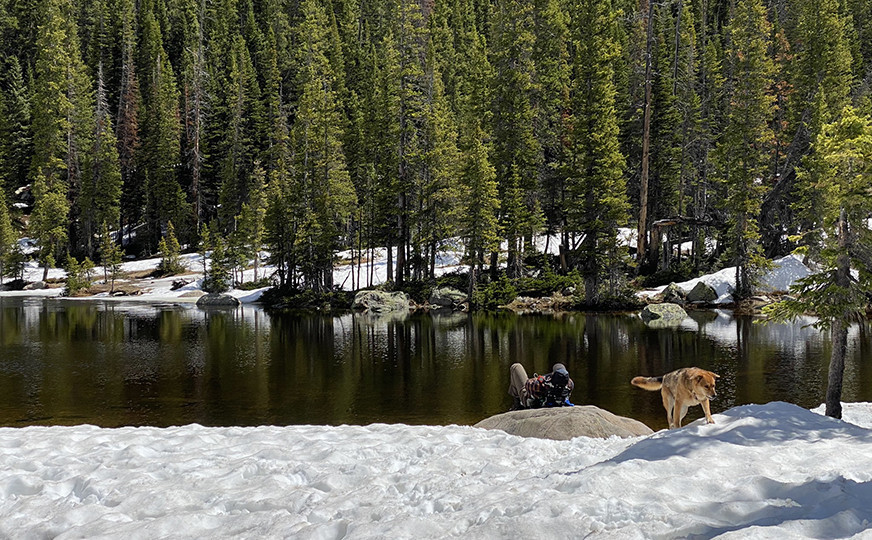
(760, 471)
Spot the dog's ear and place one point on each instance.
(715, 375)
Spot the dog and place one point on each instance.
(681, 389)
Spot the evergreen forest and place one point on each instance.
(306, 128)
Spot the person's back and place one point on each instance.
(549, 390)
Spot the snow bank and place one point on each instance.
(784, 274)
(761, 471)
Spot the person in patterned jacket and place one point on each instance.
(549, 390)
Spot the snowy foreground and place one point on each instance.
(761, 471)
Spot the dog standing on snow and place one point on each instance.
(681, 389)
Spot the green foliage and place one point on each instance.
(494, 294)
(219, 277)
(548, 282)
(78, 275)
(16, 261)
(312, 127)
(744, 146)
(596, 191)
(292, 298)
(111, 256)
(170, 253)
(841, 177)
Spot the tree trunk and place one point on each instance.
(642, 232)
(839, 333)
(839, 330)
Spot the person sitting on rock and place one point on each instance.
(549, 390)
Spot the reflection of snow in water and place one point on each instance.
(789, 337)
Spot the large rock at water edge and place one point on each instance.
(674, 294)
(218, 300)
(447, 297)
(564, 423)
(380, 301)
(702, 293)
(665, 313)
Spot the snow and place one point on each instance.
(784, 273)
(761, 471)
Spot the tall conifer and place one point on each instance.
(744, 146)
(596, 192)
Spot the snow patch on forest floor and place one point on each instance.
(372, 271)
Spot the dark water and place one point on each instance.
(114, 364)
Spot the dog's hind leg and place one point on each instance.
(679, 413)
(668, 404)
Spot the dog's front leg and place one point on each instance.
(707, 411)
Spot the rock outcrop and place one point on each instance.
(218, 300)
(702, 293)
(663, 314)
(674, 294)
(380, 301)
(446, 297)
(564, 423)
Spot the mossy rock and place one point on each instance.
(663, 314)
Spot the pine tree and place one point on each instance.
(101, 191)
(127, 124)
(170, 253)
(596, 201)
(478, 224)
(161, 132)
(517, 153)
(840, 176)
(440, 196)
(384, 130)
(7, 235)
(666, 134)
(550, 101)
(16, 142)
(321, 180)
(744, 147)
(247, 240)
(822, 62)
(61, 128)
(219, 277)
(196, 98)
(111, 256)
(242, 133)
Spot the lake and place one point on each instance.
(111, 364)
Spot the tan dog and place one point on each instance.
(681, 389)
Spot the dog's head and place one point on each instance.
(704, 383)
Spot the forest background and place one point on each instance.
(305, 128)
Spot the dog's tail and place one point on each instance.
(648, 383)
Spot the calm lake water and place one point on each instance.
(117, 364)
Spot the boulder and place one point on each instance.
(35, 286)
(665, 313)
(545, 304)
(447, 297)
(197, 293)
(564, 423)
(218, 300)
(702, 293)
(380, 301)
(674, 294)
